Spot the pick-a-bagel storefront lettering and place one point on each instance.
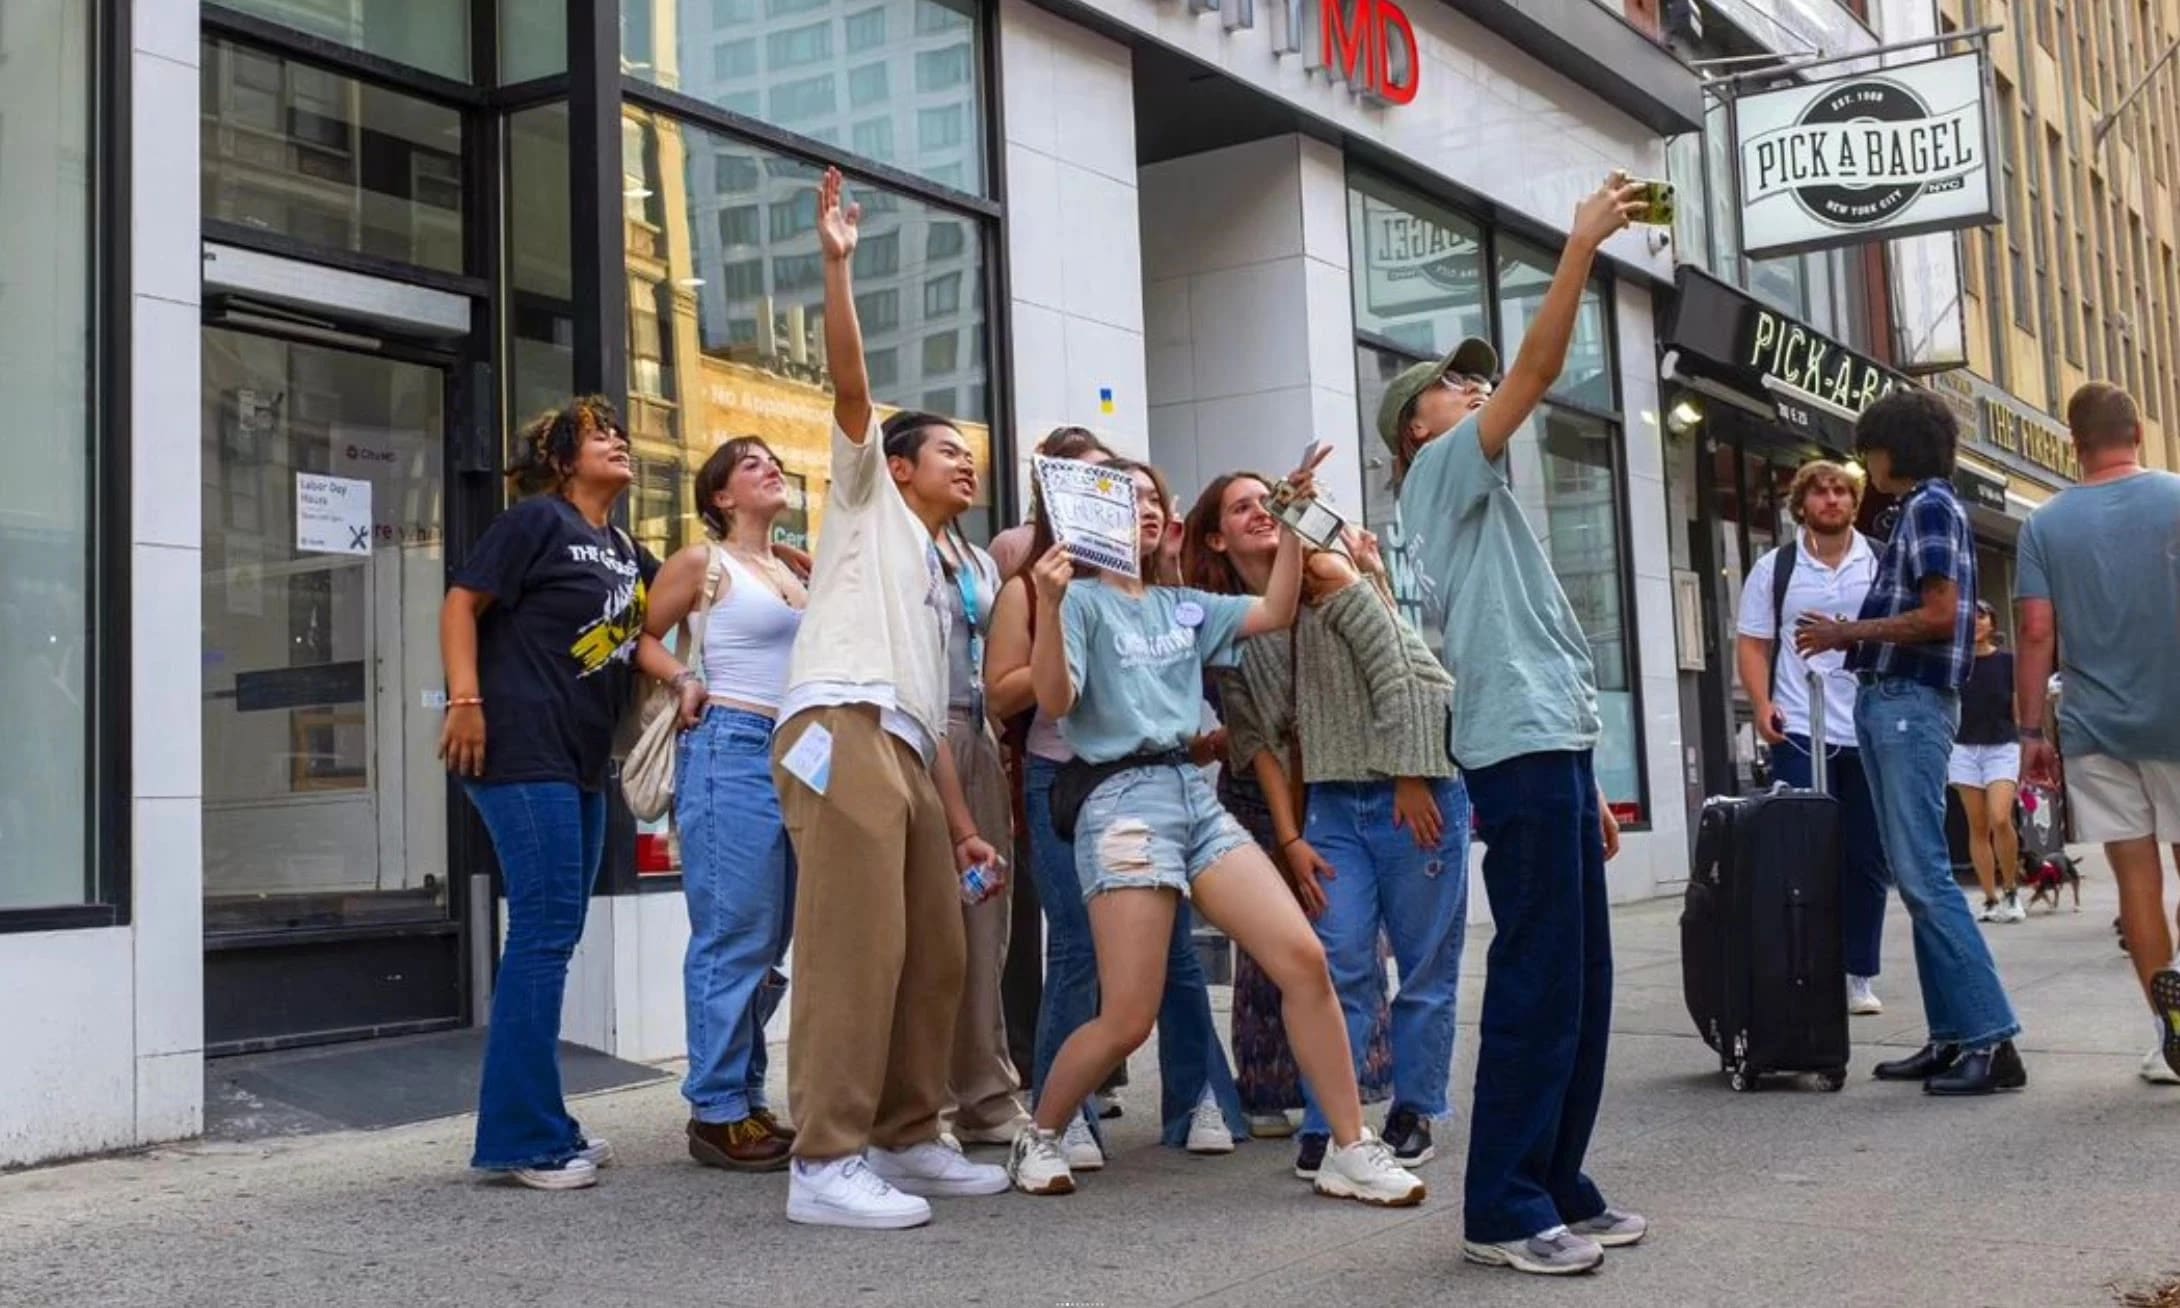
(1788, 352)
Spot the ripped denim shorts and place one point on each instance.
(1152, 828)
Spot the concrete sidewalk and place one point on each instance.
(1876, 1195)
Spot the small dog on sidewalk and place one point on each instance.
(2048, 875)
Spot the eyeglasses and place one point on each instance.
(1466, 382)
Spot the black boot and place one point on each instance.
(1924, 1063)
(1984, 1072)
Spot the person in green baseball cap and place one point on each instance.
(1524, 725)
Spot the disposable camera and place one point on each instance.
(1310, 518)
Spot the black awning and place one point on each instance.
(1811, 382)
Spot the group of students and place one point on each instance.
(841, 780)
(1920, 697)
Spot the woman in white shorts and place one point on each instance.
(1986, 772)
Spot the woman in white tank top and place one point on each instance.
(737, 868)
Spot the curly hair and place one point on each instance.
(547, 445)
(1916, 428)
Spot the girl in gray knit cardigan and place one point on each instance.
(1353, 697)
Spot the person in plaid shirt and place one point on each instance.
(1911, 647)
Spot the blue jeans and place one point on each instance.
(1418, 897)
(1906, 732)
(1863, 875)
(1190, 1056)
(1540, 1067)
(548, 836)
(738, 874)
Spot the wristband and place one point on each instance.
(1289, 841)
(2032, 733)
(684, 677)
(465, 701)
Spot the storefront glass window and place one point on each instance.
(49, 443)
(1525, 274)
(340, 164)
(1421, 281)
(1566, 474)
(533, 38)
(429, 34)
(726, 319)
(898, 80)
(541, 317)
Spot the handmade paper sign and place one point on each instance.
(1093, 512)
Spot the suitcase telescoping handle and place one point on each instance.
(1819, 751)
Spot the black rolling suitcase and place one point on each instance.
(1761, 961)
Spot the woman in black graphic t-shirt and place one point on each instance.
(539, 635)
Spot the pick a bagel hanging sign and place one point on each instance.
(1865, 157)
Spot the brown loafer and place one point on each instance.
(779, 1129)
(744, 1146)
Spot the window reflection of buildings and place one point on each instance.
(726, 311)
(300, 152)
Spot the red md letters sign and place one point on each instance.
(1355, 46)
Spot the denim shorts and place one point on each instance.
(1152, 828)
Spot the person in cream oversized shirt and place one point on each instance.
(870, 797)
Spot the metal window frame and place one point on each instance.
(108, 832)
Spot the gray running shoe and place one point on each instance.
(1613, 1228)
(1557, 1252)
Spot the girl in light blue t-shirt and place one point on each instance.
(1119, 665)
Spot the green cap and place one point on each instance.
(1473, 357)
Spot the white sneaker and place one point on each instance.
(578, 1173)
(2010, 910)
(1207, 1133)
(1105, 1106)
(1365, 1171)
(1991, 912)
(1038, 1163)
(934, 1171)
(2155, 1071)
(846, 1192)
(1861, 1000)
(1271, 1126)
(1080, 1146)
(596, 1152)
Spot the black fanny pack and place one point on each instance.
(1077, 779)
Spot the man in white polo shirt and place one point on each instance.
(1827, 569)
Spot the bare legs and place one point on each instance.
(1979, 840)
(2005, 841)
(1131, 931)
(2137, 868)
(1242, 896)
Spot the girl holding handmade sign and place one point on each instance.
(1120, 665)
(1200, 1108)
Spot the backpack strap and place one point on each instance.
(1782, 576)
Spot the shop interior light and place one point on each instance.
(637, 193)
(1683, 416)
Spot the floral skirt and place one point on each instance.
(1264, 1066)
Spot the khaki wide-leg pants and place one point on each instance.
(878, 941)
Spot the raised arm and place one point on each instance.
(838, 232)
(1544, 346)
(1274, 610)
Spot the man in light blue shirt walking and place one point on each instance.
(2101, 563)
(1525, 722)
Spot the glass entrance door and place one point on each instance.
(327, 908)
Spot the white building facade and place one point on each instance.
(362, 246)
